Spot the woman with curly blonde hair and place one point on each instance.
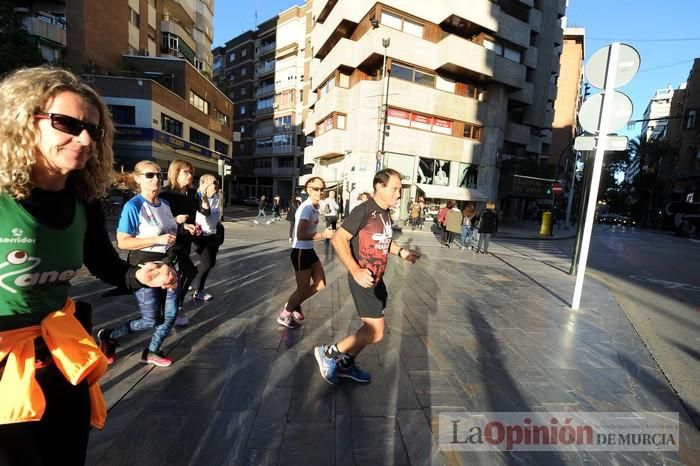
(55, 163)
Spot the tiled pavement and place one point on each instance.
(466, 332)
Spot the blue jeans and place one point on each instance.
(484, 239)
(261, 213)
(158, 311)
(466, 234)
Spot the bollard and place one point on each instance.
(546, 227)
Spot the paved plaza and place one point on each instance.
(466, 332)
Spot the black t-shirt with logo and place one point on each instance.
(370, 227)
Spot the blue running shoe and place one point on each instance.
(327, 366)
(354, 373)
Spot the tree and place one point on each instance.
(647, 183)
(17, 47)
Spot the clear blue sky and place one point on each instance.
(645, 24)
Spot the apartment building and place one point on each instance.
(442, 91)
(568, 100)
(264, 71)
(682, 174)
(655, 122)
(151, 61)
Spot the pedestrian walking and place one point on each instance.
(487, 225)
(330, 211)
(308, 270)
(453, 223)
(212, 232)
(57, 161)
(148, 230)
(441, 221)
(363, 243)
(182, 198)
(467, 227)
(261, 209)
(276, 208)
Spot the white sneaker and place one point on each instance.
(268, 222)
(202, 296)
(289, 239)
(182, 320)
(255, 221)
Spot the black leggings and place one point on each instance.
(207, 247)
(61, 436)
(186, 272)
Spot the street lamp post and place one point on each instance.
(380, 160)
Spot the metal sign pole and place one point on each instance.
(603, 124)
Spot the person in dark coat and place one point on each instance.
(487, 225)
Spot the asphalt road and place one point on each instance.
(654, 276)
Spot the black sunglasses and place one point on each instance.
(151, 175)
(73, 126)
(314, 188)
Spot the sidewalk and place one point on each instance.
(465, 332)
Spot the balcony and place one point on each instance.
(530, 57)
(524, 95)
(183, 9)
(268, 130)
(264, 112)
(536, 20)
(173, 25)
(517, 133)
(329, 145)
(514, 30)
(508, 72)
(263, 49)
(335, 101)
(265, 90)
(263, 70)
(51, 31)
(276, 150)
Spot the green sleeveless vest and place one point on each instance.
(36, 262)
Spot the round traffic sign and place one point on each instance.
(589, 114)
(557, 188)
(626, 66)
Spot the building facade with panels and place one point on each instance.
(467, 86)
(264, 71)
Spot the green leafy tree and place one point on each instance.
(17, 47)
(647, 184)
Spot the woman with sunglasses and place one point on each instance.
(308, 271)
(148, 230)
(182, 198)
(212, 232)
(55, 164)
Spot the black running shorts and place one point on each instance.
(303, 259)
(369, 302)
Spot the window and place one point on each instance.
(512, 54)
(231, 57)
(199, 103)
(170, 125)
(473, 131)
(340, 122)
(334, 120)
(123, 114)
(244, 71)
(282, 142)
(244, 52)
(242, 129)
(284, 122)
(221, 117)
(199, 137)
(220, 147)
(263, 163)
(690, 122)
(494, 46)
(265, 143)
(243, 91)
(265, 103)
(409, 73)
(402, 24)
(242, 109)
(134, 17)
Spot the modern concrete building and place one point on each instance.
(682, 179)
(264, 71)
(442, 91)
(655, 122)
(150, 60)
(569, 86)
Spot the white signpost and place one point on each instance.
(612, 66)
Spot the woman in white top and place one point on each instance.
(207, 220)
(310, 276)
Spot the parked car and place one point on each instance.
(252, 200)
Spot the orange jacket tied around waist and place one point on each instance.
(73, 351)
